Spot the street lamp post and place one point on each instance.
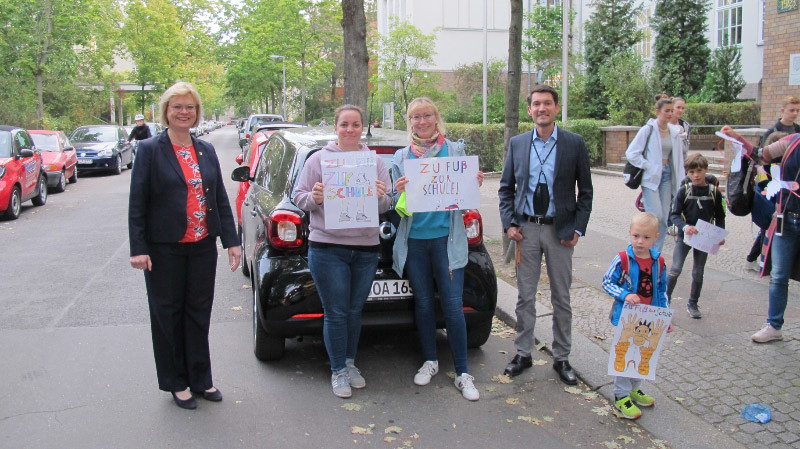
(283, 60)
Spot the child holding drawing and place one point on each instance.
(696, 200)
(637, 276)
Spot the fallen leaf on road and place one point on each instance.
(351, 407)
(589, 395)
(599, 337)
(393, 429)
(238, 402)
(679, 399)
(509, 420)
(534, 421)
(573, 390)
(626, 439)
(503, 352)
(660, 444)
(236, 308)
(611, 445)
(636, 430)
(451, 374)
(512, 401)
(502, 379)
(360, 430)
(547, 418)
(389, 439)
(454, 425)
(245, 286)
(539, 362)
(677, 342)
(602, 411)
(540, 345)
(491, 388)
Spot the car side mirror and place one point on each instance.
(25, 152)
(239, 159)
(69, 148)
(241, 174)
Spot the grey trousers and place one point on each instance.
(624, 385)
(542, 240)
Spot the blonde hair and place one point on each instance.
(179, 88)
(791, 99)
(424, 103)
(645, 219)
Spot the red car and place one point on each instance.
(21, 175)
(58, 157)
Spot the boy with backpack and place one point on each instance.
(698, 198)
(637, 275)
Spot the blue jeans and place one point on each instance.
(658, 203)
(343, 277)
(427, 260)
(784, 252)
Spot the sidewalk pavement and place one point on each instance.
(710, 369)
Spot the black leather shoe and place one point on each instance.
(189, 404)
(565, 372)
(518, 365)
(214, 396)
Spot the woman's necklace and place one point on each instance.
(183, 147)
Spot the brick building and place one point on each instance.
(781, 45)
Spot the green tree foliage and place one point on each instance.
(45, 44)
(681, 47)
(724, 81)
(610, 30)
(542, 40)
(628, 93)
(402, 52)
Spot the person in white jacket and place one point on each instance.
(662, 163)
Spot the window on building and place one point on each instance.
(762, 9)
(729, 22)
(549, 3)
(643, 47)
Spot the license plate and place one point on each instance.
(392, 289)
(84, 161)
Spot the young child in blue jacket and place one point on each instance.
(636, 285)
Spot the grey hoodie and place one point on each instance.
(311, 174)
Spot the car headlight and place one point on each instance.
(51, 167)
(2, 171)
(105, 153)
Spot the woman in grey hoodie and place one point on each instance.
(342, 261)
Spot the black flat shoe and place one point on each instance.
(518, 364)
(214, 396)
(565, 372)
(189, 404)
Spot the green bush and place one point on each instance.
(486, 142)
(718, 114)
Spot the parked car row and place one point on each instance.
(248, 127)
(205, 127)
(31, 161)
(275, 248)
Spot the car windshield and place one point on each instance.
(153, 130)
(5, 144)
(94, 134)
(45, 142)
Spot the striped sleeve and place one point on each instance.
(611, 280)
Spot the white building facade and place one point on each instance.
(459, 28)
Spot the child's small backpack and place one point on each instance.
(713, 190)
(623, 259)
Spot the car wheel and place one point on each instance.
(74, 178)
(14, 204)
(245, 268)
(118, 169)
(477, 334)
(62, 182)
(130, 164)
(265, 346)
(41, 197)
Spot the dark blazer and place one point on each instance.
(572, 166)
(157, 204)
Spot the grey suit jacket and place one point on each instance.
(572, 167)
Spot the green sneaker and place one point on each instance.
(626, 408)
(642, 399)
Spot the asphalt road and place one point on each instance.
(77, 368)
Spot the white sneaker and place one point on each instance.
(468, 390)
(356, 379)
(767, 334)
(428, 370)
(341, 384)
(754, 265)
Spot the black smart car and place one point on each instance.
(275, 252)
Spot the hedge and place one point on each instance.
(486, 142)
(718, 114)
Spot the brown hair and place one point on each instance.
(543, 88)
(791, 99)
(347, 107)
(662, 100)
(774, 137)
(420, 103)
(179, 88)
(695, 161)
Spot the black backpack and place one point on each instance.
(740, 188)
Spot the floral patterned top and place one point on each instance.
(196, 226)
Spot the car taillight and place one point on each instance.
(474, 226)
(247, 136)
(284, 230)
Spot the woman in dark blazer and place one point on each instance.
(177, 208)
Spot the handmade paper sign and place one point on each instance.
(442, 183)
(738, 149)
(638, 339)
(708, 237)
(350, 198)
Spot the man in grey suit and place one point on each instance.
(541, 213)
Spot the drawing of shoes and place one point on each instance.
(620, 349)
(644, 366)
(361, 217)
(344, 217)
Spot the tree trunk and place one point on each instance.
(356, 58)
(41, 61)
(303, 89)
(39, 99)
(272, 98)
(334, 78)
(513, 81)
